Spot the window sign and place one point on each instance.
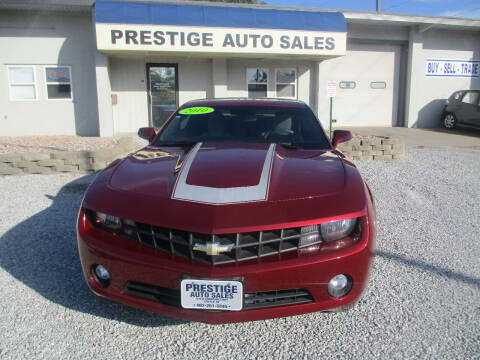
(286, 83)
(257, 82)
(22, 83)
(58, 81)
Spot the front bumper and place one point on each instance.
(127, 261)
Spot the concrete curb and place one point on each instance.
(64, 161)
(373, 149)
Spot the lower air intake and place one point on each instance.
(256, 300)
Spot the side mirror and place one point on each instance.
(340, 136)
(146, 133)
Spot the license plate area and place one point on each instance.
(226, 295)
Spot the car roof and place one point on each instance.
(245, 102)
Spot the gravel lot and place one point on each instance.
(423, 300)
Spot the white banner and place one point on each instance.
(452, 68)
(190, 39)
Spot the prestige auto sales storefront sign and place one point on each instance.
(124, 37)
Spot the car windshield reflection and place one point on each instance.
(290, 127)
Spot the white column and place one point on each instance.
(104, 95)
(323, 101)
(413, 75)
(219, 78)
(303, 83)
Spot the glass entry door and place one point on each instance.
(162, 92)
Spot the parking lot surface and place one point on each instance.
(423, 300)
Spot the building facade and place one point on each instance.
(108, 67)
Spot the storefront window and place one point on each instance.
(58, 82)
(22, 83)
(162, 84)
(257, 82)
(286, 80)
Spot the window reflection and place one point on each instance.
(286, 80)
(257, 82)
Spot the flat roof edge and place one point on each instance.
(372, 17)
(350, 15)
(48, 5)
(188, 14)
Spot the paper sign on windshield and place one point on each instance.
(196, 110)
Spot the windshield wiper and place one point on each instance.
(288, 145)
(306, 146)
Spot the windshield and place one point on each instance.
(290, 126)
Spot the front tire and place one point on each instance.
(449, 121)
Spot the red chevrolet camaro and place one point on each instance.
(237, 210)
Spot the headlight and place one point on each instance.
(335, 230)
(110, 222)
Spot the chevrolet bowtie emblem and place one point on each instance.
(212, 248)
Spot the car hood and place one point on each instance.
(228, 187)
(229, 173)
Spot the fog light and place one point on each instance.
(101, 275)
(340, 285)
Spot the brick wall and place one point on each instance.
(90, 161)
(63, 161)
(373, 149)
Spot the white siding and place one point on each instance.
(362, 105)
(305, 87)
(48, 38)
(128, 79)
(195, 79)
(427, 95)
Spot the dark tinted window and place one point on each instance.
(59, 91)
(457, 95)
(295, 126)
(58, 82)
(257, 90)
